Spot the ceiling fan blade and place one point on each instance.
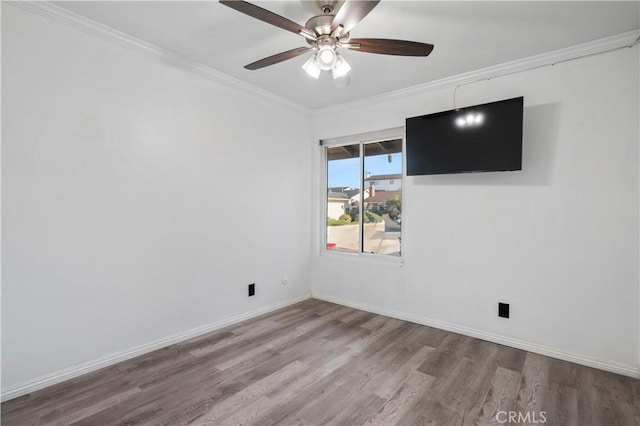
(352, 12)
(278, 57)
(267, 16)
(386, 46)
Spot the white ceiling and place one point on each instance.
(467, 36)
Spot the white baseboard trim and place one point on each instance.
(625, 370)
(96, 364)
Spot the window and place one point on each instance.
(366, 217)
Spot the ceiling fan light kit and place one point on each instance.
(311, 67)
(326, 57)
(325, 34)
(325, 60)
(341, 68)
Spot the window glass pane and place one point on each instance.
(382, 197)
(343, 197)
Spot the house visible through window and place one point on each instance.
(364, 197)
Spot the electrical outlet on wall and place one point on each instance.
(252, 289)
(285, 281)
(503, 310)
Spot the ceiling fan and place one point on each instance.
(326, 33)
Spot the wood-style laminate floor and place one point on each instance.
(318, 363)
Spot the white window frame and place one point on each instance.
(360, 139)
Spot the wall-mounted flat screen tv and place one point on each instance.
(481, 138)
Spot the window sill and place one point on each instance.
(364, 257)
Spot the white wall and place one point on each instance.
(122, 222)
(132, 201)
(557, 240)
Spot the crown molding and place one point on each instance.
(578, 51)
(104, 32)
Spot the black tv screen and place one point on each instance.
(481, 138)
